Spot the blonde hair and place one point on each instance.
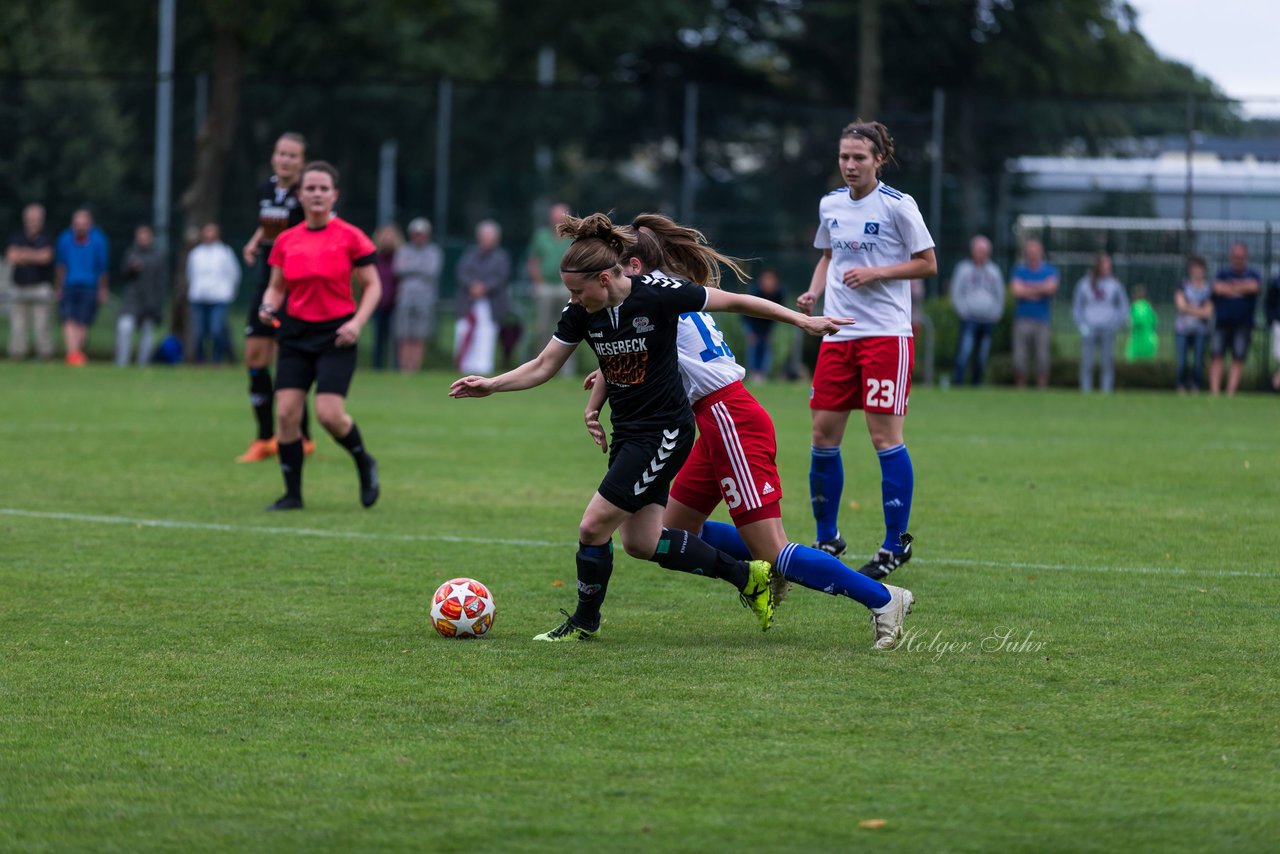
(662, 243)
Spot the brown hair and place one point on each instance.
(873, 132)
(322, 166)
(294, 136)
(598, 245)
(1197, 261)
(663, 243)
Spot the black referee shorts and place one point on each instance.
(641, 468)
(308, 354)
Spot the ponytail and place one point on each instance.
(598, 245)
(683, 251)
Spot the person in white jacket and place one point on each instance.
(213, 276)
(1100, 310)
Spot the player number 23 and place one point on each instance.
(880, 393)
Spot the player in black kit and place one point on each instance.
(278, 209)
(630, 322)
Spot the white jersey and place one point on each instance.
(881, 229)
(706, 362)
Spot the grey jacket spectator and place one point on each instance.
(484, 270)
(1100, 304)
(146, 274)
(419, 266)
(977, 291)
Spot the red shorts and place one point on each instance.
(864, 373)
(734, 459)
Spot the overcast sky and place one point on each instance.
(1233, 42)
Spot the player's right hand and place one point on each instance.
(589, 382)
(806, 301)
(250, 252)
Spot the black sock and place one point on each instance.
(260, 398)
(595, 565)
(355, 445)
(306, 421)
(683, 552)
(291, 457)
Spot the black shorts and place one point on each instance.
(641, 468)
(1234, 337)
(309, 354)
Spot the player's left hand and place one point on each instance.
(598, 435)
(819, 326)
(859, 276)
(348, 333)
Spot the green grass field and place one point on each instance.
(182, 671)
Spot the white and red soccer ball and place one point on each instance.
(462, 608)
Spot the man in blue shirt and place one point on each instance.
(1235, 299)
(1033, 284)
(80, 281)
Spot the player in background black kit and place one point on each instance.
(278, 209)
(630, 323)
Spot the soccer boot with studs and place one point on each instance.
(886, 621)
(885, 561)
(567, 631)
(758, 594)
(834, 547)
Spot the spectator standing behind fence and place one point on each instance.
(1143, 340)
(417, 268)
(1194, 301)
(1034, 283)
(977, 292)
(213, 275)
(1100, 310)
(145, 271)
(1272, 309)
(388, 239)
(483, 273)
(542, 263)
(30, 259)
(80, 281)
(1235, 300)
(759, 330)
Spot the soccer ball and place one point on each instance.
(462, 608)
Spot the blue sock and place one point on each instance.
(818, 570)
(826, 483)
(726, 538)
(897, 483)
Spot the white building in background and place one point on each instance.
(1221, 189)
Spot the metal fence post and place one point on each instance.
(444, 122)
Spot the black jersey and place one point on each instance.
(636, 345)
(278, 209)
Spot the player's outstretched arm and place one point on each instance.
(532, 373)
(718, 300)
